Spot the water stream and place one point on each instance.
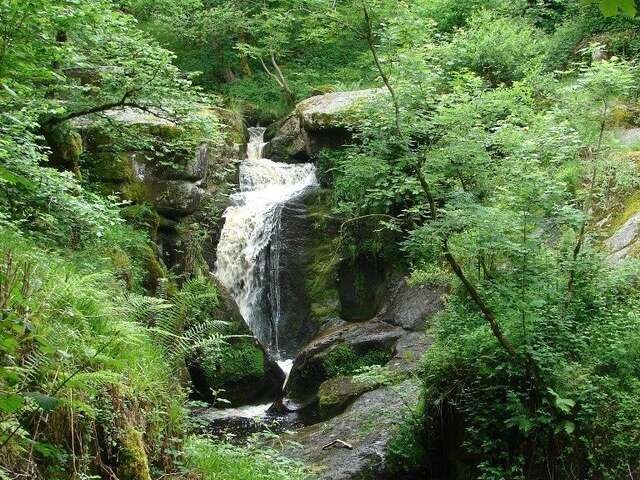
(248, 255)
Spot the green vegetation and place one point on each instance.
(493, 164)
(344, 360)
(218, 461)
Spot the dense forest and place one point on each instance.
(319, 239)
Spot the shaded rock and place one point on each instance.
(289, 144)
(338, 351)
(368, 425)
(361, 286)
(336, 394)
(410, 307)
(244, 370)
(289, 248)
(624, 240)
(174, 198)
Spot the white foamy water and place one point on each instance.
(249, 248)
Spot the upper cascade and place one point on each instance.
(249, 248)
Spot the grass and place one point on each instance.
(222, 461)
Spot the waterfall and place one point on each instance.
(248, 255)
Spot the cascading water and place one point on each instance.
(248, 262)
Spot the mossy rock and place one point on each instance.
(345, 360)
(336, 394)
(109, 166)
(241, 369)
(340, 351)
(242, 361)
(133, 463)
(321, 269)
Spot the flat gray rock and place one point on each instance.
(622, 242)
(368, 425)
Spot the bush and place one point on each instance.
(498, 48)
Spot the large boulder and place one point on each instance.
(410, 307)
(340, 351)
(289, 249)
(173, 198)
(318, 122)
(367, 426)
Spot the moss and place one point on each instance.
(133, 463)
(631, 207)
(143, 216)
(344, 360)
(123, 266)
(66, 147)
(322, 259)
(240, 362)
(136, 192)
(155, 272)
(336, 394)
(109, 166)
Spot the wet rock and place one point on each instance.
(338, 350)
(361, 286)
(289, 144)
(368, 425)
(410, 307)
(289, 248)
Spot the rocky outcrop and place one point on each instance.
(340, 350)
(368, 426)
(289, 248)
(318, 122)
(410, 307)
(171, 182)
(625, 240)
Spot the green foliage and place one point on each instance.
(238, 362)
(344, 360)
(215, 461)
(72, 349)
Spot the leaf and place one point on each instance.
(14, 179)
(11, 403)
(569, 427)
(564, 404)
(45, 402)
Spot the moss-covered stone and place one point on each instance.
(133, 463)
(66, 147)
(322, 260)
(107, 166)
(243, 361)
(336, 394)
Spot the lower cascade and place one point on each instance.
(248, 254)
